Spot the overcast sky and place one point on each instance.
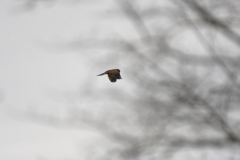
(30, 67)
(39, 73)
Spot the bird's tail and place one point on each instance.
(101, 74)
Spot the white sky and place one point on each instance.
(28, 69)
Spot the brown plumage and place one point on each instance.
(113, 74)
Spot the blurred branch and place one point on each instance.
(135, 18)
(199, 143)
(230, 74)
(213, 21)
(194, 99)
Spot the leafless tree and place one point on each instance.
(180, 96)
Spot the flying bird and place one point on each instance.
(113, 74)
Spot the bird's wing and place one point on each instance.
(116, 75)
(112, 79)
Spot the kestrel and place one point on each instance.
(113, 74)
